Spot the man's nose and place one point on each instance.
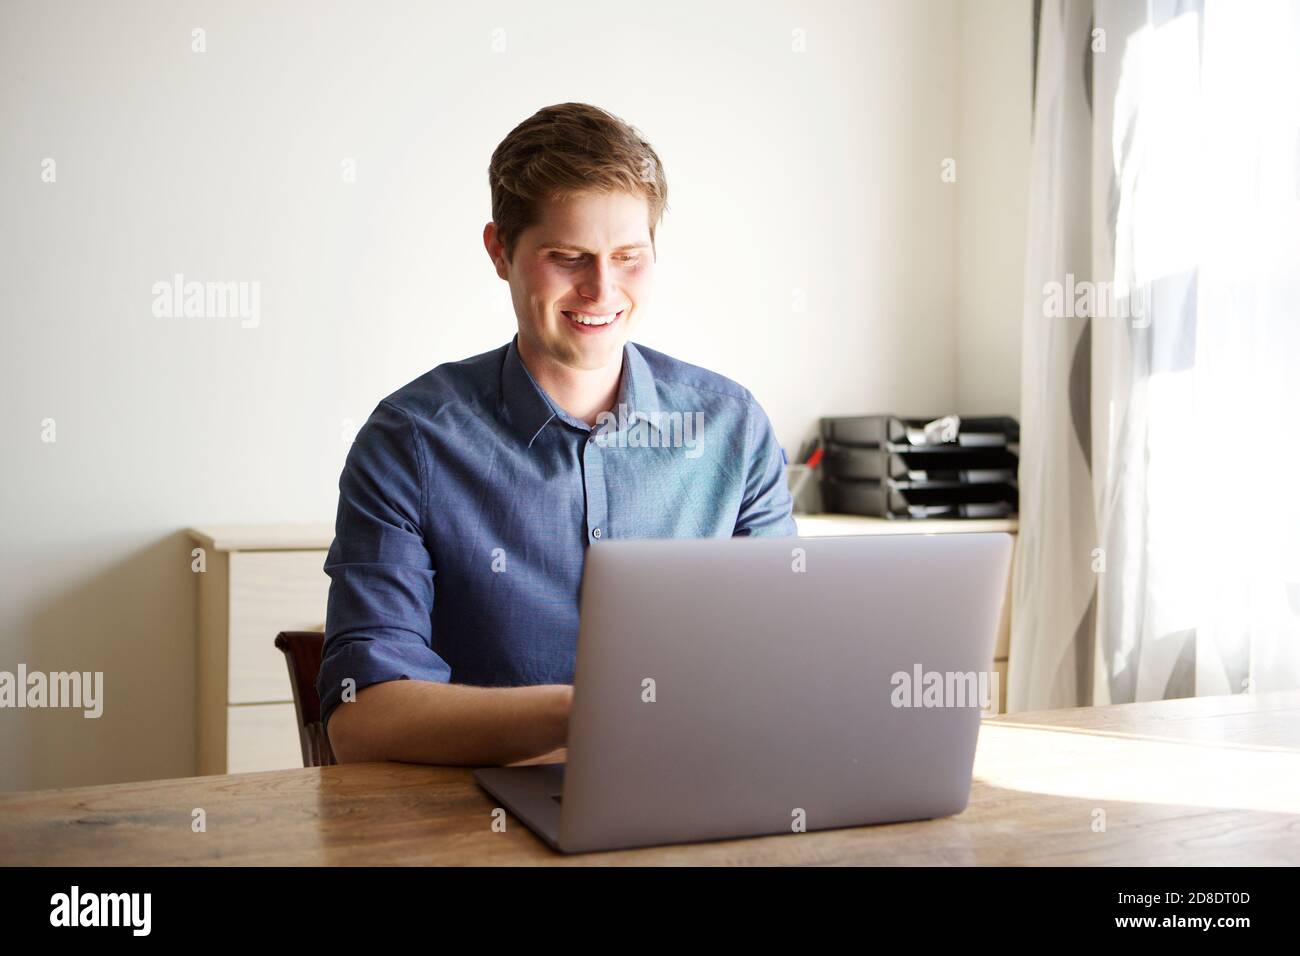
(597, 281)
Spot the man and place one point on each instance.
(470, 495)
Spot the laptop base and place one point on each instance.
(530, 793)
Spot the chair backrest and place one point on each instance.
(302, 652)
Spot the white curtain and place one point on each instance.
(1160, 450)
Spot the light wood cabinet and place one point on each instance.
(257, 582)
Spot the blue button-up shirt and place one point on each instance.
(469, 498)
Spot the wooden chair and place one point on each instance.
(302, 652)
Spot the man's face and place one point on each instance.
(579, 276)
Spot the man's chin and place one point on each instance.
(596, 351)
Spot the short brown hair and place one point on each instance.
(564, 149)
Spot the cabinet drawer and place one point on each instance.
(262, 737)
(270, 591)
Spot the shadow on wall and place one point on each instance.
(136, 622)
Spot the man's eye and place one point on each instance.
(574, 260)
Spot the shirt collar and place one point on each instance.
(529, 409)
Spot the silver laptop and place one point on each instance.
(749, 686)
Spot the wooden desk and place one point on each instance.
(1213, 780)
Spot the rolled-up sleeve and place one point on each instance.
(766, 508)
(378, 624)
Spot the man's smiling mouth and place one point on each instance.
(590, 322)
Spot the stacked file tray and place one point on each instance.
(891, 467)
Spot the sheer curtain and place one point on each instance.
(1160, 516)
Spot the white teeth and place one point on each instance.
(592, 319)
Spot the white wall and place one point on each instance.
(813, 174)
(995, 78)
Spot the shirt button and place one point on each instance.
(595, 533)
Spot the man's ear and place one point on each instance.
(495, 250)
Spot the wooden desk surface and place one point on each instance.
(1201, 781)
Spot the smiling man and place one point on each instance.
(470, 495)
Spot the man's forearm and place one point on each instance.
(424, 722)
